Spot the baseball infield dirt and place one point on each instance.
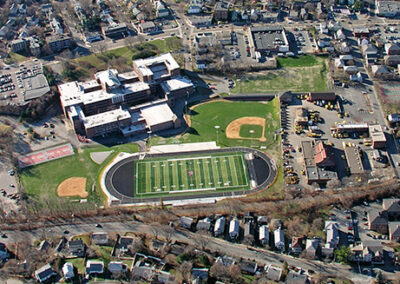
(233, 129)
(75, 186)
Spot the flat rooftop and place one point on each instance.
(376, 133)
(157, 114)
(268, 38)
(308, 153)
(105, 118)
(176, 84)
(354, 160)
(144, 64)
(38, 87)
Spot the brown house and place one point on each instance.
(394, 231)
(378, 221)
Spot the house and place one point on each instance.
(100, 238)
(234, 228)
(177, 249)
(279, 239)
(361, 32)
(297, 245)
(294, 277)
(195, 7)
(392, 49)
(44, 273)
(221, 11)
(263, 220)
(311, 247)
(161, 10)
(77, 248)
(125, 243)
(94, 267)
(356, 77)
(200, 275)
(116, 267)
(394, 231)
(3, 252)
(263, 236)
(378, 221)
(165, 277)
(378, 139)
(18, 45)
(379, 70)
(249, 232)
(226, 260)
(392, 60)
(351, 70)
(43, 246)
(273, 273)
(148, 27)
(115, 30)
(68, 270)
(157, 245)
(186, 222)
(339, 34)
(204, 224)
(368, 252)
(200, 20)
(332, 234)
(248, 266)
(392, 207)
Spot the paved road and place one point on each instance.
(213, 244)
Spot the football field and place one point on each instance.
(208, 172)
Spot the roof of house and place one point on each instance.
(226, 260)
(376, 217)
(115, 266)
(100, 236)
(296, 278)
(125, 241)
(94, 266)
(274, 273)
(391, 204)
(248, 266)
(200, 273)
(44, 272)
(394, 228)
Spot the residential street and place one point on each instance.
(238, 251)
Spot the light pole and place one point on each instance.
(251, 137)
(216, 129)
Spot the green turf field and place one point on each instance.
(209, 172)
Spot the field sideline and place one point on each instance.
(188, 174)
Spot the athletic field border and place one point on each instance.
(115, 197)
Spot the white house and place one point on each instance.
(44, 273)
(279, 239)
(264, 234)
(68, 270)
(332, 234)
(94, 267)
(234, 228)
(219, 227)
(195, 7)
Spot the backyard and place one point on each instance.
(40, 182)
(303, 74)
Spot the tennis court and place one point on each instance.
(174, 174)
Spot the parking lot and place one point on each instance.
(25, 82)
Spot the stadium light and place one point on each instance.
(216, 129)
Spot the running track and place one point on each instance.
(45, 155)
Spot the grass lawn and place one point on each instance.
(96, 62)
(40, 182)
(301, 61)
(297, 79)
(205, 117)
(85, 238)
(15, 58)
(104, 253)
(78, 263)
(246, 128)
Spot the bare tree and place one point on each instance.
(334, 183)
(219, 271)
(186, 269)
(130, 41)
(202, 240)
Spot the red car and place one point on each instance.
(212, 88)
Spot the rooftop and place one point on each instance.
(157, 114)
(176, 84)
(354, 160)
(106, 117)
(267, 38)
(376, 133)
(150, 66)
